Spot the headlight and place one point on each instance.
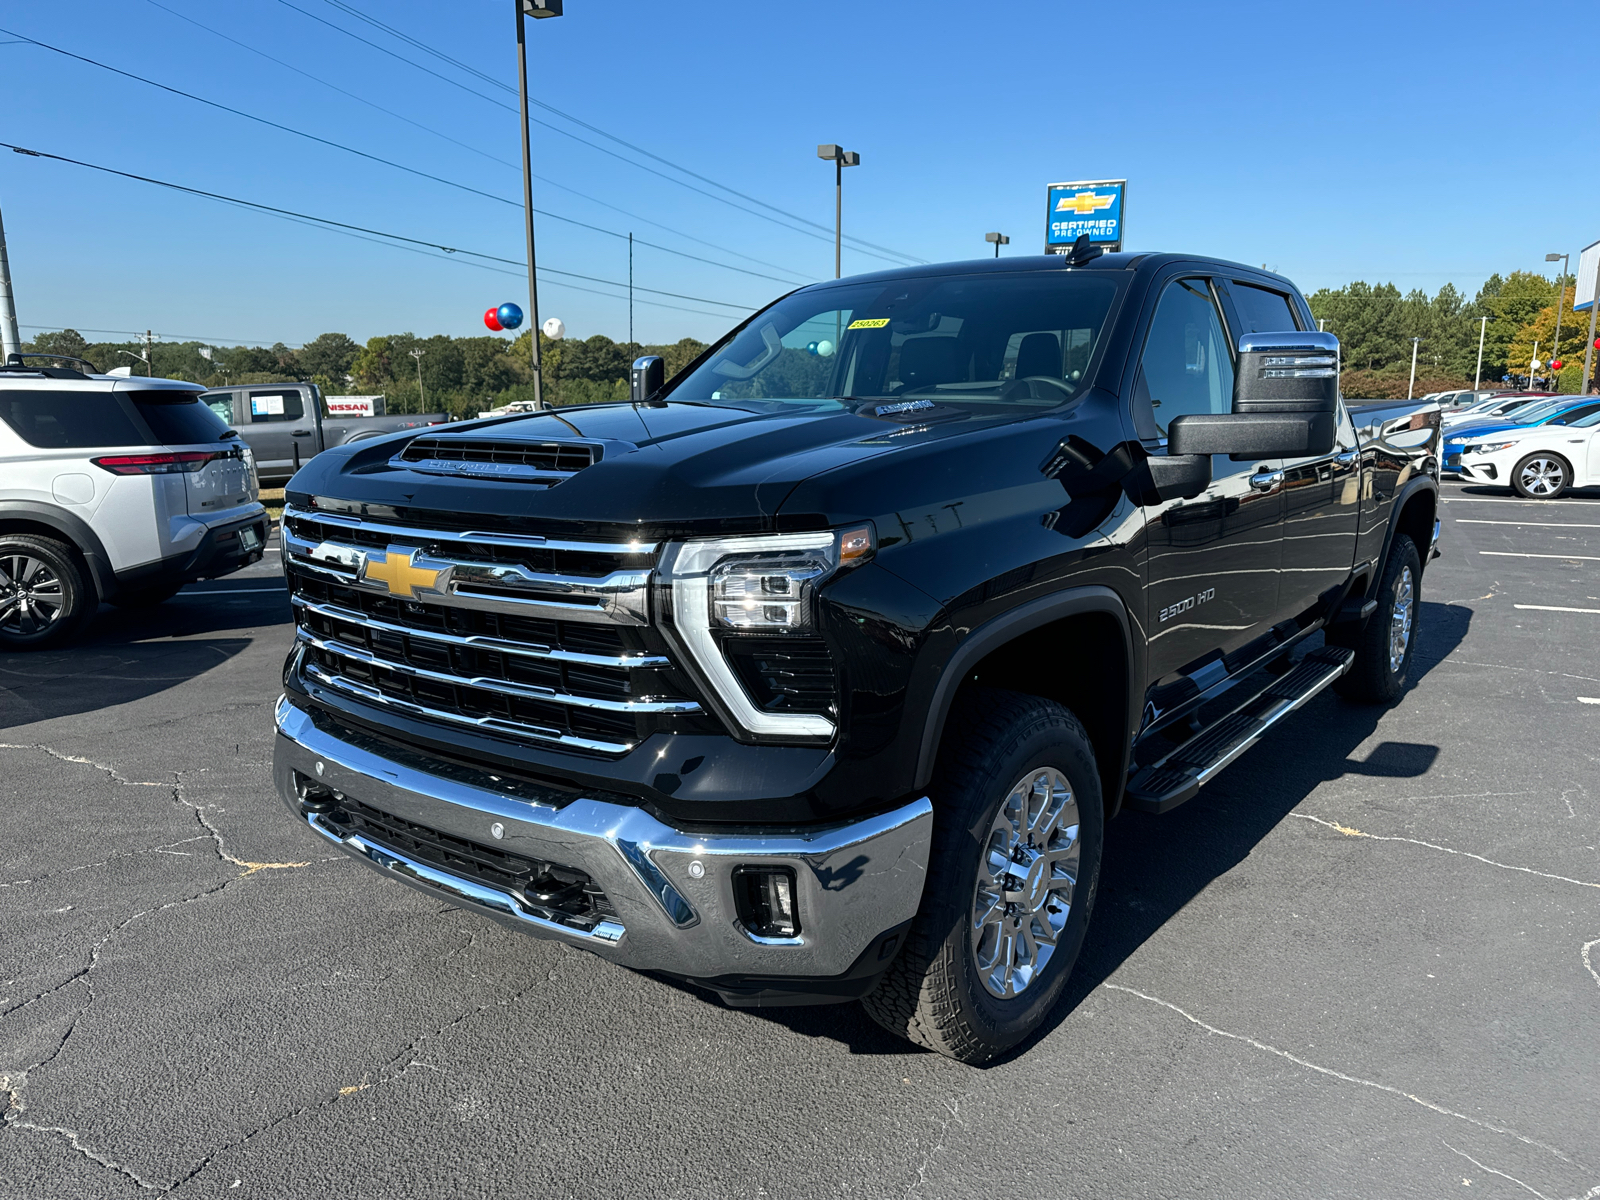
(761, 584)
(1489, 447)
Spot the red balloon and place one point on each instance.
(1556, 366)
(492, 319)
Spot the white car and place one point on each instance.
(1539, 463)
(114, 489)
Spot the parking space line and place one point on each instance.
(1509, 500)
(1556, 608)
(1519, 554)
(235, 591)
(1589, 699)
(1529, 524)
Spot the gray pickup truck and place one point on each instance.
(285, 424)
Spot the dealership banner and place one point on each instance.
(1094, 207)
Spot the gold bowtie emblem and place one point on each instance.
(1084, 203)
(397, 573)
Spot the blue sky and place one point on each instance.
(1402, 142)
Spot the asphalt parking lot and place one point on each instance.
(1364, 963)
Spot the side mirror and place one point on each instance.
(645, 380)
(1243, 436)
(1285, 401)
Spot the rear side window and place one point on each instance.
(1261, 311)
(178, 418)
(62, 420)
(276, 406)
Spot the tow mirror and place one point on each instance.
(645, 380)
(1285, 402)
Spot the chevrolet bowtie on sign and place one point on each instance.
(1093, 207)
(396, 569)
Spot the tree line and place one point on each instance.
(1376, 322)
(460, 375)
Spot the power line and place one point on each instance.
(891, 256)
(595, 129)
(387, 162)
(502, 161)
(328, 221)
(174, 337)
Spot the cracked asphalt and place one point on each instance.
(1365, 962)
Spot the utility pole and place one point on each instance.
(1561, 301)
(536, 9)
(1412, 386)
(1477, 376)
(1588, 351)
(630, 286)
(417, 352)
(10, 338)
(841, 158)
(149, 354)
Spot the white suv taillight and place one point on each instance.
(176, 462)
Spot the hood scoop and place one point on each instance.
(541, 464)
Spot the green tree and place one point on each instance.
(330, 355)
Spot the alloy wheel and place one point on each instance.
(32, 597)
(1401, 616)
(1025, 884)
(1542, 476)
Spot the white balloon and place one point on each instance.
(554, 329)
(824, 349)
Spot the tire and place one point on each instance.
(1541, 476)
(46, 595)
(945, 990)
(146, 597)
(1385, 645)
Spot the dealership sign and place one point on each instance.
(354, 406)
(1094, 207)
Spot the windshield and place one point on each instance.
(988, 343)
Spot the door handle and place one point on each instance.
(1266, 480)
(1345, 457)
(300, 433)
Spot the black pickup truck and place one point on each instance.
(815, 673)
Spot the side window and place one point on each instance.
(1261, 311)
(276, 406)
(220, 403)
(62, 420)
(1186, 364)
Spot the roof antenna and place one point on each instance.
(1082, 251)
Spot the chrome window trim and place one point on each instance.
(506, 687)
(483, 641)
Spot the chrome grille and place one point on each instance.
(510, 634)
(538, 463)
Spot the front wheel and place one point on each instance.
(1018, 829)
(1540, 476)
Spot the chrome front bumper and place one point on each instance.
(672, 892)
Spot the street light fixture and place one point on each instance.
(422, 397)
(999, 239)
(1561, 301)
(841, 158)
(538, 9)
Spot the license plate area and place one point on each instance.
(249, 539)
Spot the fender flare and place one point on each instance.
(1025, 618)
(1423, 483)
(74, 529)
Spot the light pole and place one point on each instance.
(999, 239)
(1412, 386)
(537, 9)
(1477, 376)
(417, 352)
(137, 358)
(1594, 307)
(10, 336)
(1561, 300)
(841, 158)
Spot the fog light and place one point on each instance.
(767, 901)
(315, 797)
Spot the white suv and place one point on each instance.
(113, 489)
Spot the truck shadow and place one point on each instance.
(1154, 866)
(129, 654)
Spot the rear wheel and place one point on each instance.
(45, 594)
(1541, 476)
(1384, 646)
(1018, 825)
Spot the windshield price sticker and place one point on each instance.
(868, 323)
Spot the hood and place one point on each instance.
(1471, 431)
(676, 467)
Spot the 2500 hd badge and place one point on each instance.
(698, 703)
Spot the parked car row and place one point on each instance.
(1538, 462)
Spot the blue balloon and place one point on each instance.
(510, 316)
